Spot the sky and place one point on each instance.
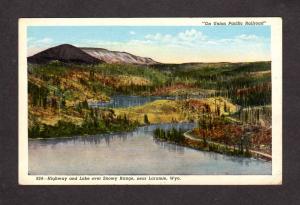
(165, 44)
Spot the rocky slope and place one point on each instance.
(118, 57)
(65, 53)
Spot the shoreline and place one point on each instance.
(206, 150)
(117, 132)
(189, 144)
(229, 149)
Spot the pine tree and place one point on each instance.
(146, 121)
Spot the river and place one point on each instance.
(133, 153)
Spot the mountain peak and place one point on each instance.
(65, 53)
(68, 53)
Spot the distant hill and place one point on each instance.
(118, 57)
(65, 53)
(215, 67)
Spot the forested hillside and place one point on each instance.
(61, 92)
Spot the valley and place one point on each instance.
(72, 92)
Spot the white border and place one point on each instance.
(276, 57)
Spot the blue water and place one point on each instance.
(128, 101)
(134, 153)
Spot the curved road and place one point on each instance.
(187, 135)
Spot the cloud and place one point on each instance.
(37, 45)
(32, 42)
(193, 38)
(44, 41)
(182, 38)
(190, 45)
(238, 40)
(191, 35)
(159, 37)
(247, 37)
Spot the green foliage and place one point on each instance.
(237, 82)
(51, 73)
(156, 77)
(172, 135)
(97, 121)
(39, 95)
(61, 129)
(146, 121)
(225, 150)
(46, 70)
(253, 115)
(227, 79)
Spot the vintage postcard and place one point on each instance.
(168, 101)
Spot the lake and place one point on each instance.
(134, 152)
(119, 101)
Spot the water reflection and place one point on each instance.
(129, 101)
(135, 152)
(169, 147)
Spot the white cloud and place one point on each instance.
(32, 42)
(187, 46)
(156, 36)
(247, 37)
(191, 35)
(44, 41)
(183, 38)
(191, 46)
(37, 45)
(237, 40)
(159, 38)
